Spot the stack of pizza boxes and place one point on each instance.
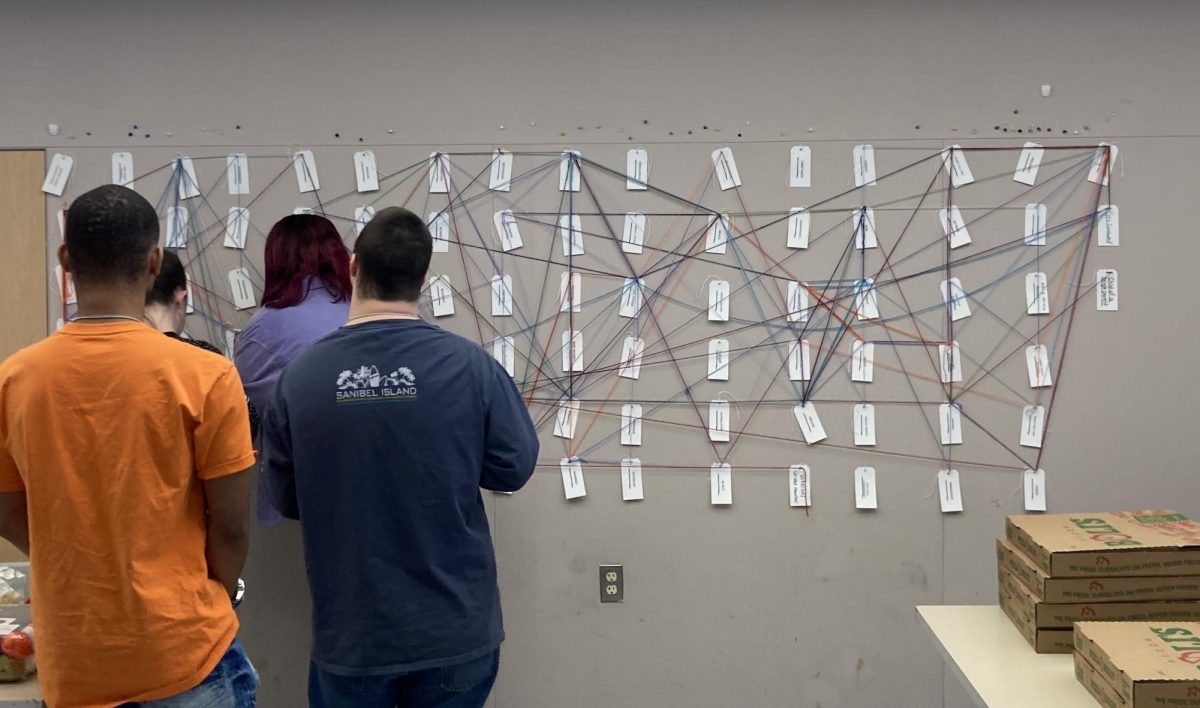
(1059, 569)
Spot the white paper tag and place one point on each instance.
(726, 169)
(718, 421)
(797, 302)
(1037, 294)
(1028, 164)
(305, 165)
(365, 174)
(1108, 228)
(950, 358)
(122, 169)
(237, 174)
(1033, 423)
(441, 296)
(718, 301)
(864, 488)
(631, 479)
(185, 171)
(809, 422)
(439, 229)
(1037, 361)
(66, 287)
(501, 172)
(631, 424)
(1102, 164)
(299, 211)
(631, 297)
(866, 300)
(1035, 224)
(237, 225)
(570, 299)
(502, 296)
(362, 215)
(61, 217)
(799, 361)
(950, 422)
(954, 159)
(57, 174)
(864, 166)
(631, 358)
(242, 289)
(572, 351)
(954, 227)
(716, 236)
(800, 166)
(721, 484)
(568, 171)
(1035, 489)
(565, 419)
(570, 231)
(1106, 290)
(504, 350)
(634, 237)
(718, 360)
(799, 224)
(864, 424)
(177, 227)
(439, 173)
(949, 491)
(572, 478)
(956, 297)
(507, 231)
(230, 343)
(637, 169)
(862, 361)
(799, 486)
(862, 221)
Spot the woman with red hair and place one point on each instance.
(306, 296)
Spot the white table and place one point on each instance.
(995, 663)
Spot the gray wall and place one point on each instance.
(712, 597)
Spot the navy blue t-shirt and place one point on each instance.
(378, 439)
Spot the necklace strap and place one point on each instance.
(84, 318)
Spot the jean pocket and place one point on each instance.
(463, 677)
(211, 694)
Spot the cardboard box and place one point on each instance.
(1087, 674)
(1088, 590)
(1146, 663)
(1051, 615)
(1127, 543)
(1043, 641)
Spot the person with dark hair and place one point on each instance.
(166, 311)
(123, 461)
(378, 439)
(305, 297)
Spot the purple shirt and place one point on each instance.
(270, 341)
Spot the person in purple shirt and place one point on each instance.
(306, 296)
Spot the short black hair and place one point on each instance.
(393, 255)
(171, 279)
(110, 232)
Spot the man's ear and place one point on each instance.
(353, 266)
(63, 260)
(156, 257)
(181, 298)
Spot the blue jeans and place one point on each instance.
(465, 685)
(232, 684)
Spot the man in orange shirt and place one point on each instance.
(123, 461)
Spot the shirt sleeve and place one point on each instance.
(10, 476)
(511, 444)
(279, 473)
(222, 439)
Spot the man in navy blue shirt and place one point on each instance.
(378, 440)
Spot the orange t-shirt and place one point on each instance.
(110, 430)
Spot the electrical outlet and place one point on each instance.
(612, 583)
